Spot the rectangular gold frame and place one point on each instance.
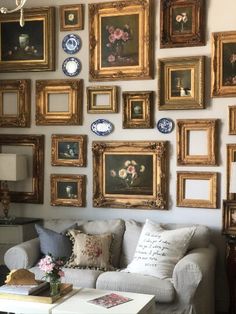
(71, 12)
(223, 70)
(193, 35)
(231, 157)
(23, 115)
(44, 15)
(77, 200)
(181, 201)
(183, 129)
(193, 95)
(232, 120)
(93, 91)
(74, 89)
(75, 158)
(138, 120)
(229, 222)
(136, 62)
(110, 187)
(36, 142)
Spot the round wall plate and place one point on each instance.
(102, 127)
(71, 43)
(165, 125)
(71, 66)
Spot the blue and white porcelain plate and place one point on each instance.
(71, 66)
(165, 125)
(102, 127)
(71, 43)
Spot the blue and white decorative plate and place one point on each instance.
(71, 66)
(71, 43)
(102, 127)
(165, 125)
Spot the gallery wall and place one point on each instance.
(219, 17)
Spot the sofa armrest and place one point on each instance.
(23, 255)
(194, 274)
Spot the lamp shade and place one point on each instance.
(13, 167)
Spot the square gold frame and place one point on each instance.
(231, 157)
(72, 88)
(232, 120)
(184, 127)
(138, 110)
(71, 17)
(109, 185)
(76, 181)
(189, 30)
(94, 91)
(192, 71)
(22, 117)
(63, 156)
(182, 201)
(36, 143)
(229, 218)
(223, 66)
(136, 61)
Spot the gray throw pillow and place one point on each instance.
(57, 244)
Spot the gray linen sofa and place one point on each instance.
(189, 291)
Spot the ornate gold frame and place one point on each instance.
(47, 16)
(183, 176)
(106, 182)
(93, 91)
(74, 90)
(231, 156)
(138, 68)
(232, 120)
(184, 127)
(229, 222)
(166, 68)
(79, 160)
(76, 8)
(36, 143)
(78, 200)
(23, 115)
(218, 87)
(132, 120)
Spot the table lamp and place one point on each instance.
(13, 167)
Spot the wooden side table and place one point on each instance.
(231, 271)
(18, 231)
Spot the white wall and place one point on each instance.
(220, 17)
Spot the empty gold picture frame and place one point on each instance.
(69, 150)
(130, 174)
(67, 105)
(71, 17)
(68, 190)
(223, 64)
(15, 112)
(232, 120)
(183, 198)
(181, 83)
(109, 103)
(128, 56)
(231, 157)
(209, 131)
(138, 110)
(229, 218)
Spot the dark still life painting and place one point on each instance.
(137, 109)
(68, 150)
(181, 83)
(229, 64)
(67, 190)
(182, 19)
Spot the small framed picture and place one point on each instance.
(138, 110)
(229, 217)
(102, 99)
(71, 17)
(181, 83)
(232, 120)
(69, 150)
(67, 190)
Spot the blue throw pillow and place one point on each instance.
(57, 244)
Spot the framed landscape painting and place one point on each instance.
(121, 44)
(130, 174)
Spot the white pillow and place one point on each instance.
(158, 250)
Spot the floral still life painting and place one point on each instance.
(229, 64)
(182, 20)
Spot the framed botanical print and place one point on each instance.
(137, 110)
(69, 150)
(68, 190)
(121, 40)
(130, 174)
(31, 47)
(182, 23)
(181, 83)
(102, 99)
(71, 17)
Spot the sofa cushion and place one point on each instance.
(119, 281)
(90, 250)
(159, 250)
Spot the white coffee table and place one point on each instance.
(77, 304)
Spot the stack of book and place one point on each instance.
(25, 289)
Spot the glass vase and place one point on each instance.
(54, 287)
